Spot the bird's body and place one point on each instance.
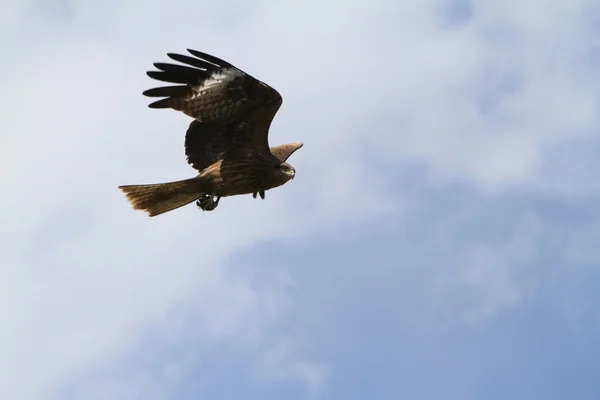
(242, 175)
(227, 142)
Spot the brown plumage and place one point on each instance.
(227, 142)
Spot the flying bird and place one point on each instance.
(227, 142)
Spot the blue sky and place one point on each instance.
(440, 239)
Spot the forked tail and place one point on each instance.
(159, 198)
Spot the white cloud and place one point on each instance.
(442, 80)
(84, 276)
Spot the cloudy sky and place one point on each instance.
(440, 241)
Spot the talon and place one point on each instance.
(207, 202)
(262, 194)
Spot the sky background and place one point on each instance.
(440, 241)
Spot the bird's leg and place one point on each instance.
(207, 202)
(261, 193)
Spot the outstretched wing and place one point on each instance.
(284, 151)
(231, 109)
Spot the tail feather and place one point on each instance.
(158, 198)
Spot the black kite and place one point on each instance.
(228, 140)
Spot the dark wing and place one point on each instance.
(208, 142)
(284, 151)
(233, 109)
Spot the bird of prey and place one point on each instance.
(227, 142)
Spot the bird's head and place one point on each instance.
(286, 171)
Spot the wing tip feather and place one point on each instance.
(211, 59)
(164, 103)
